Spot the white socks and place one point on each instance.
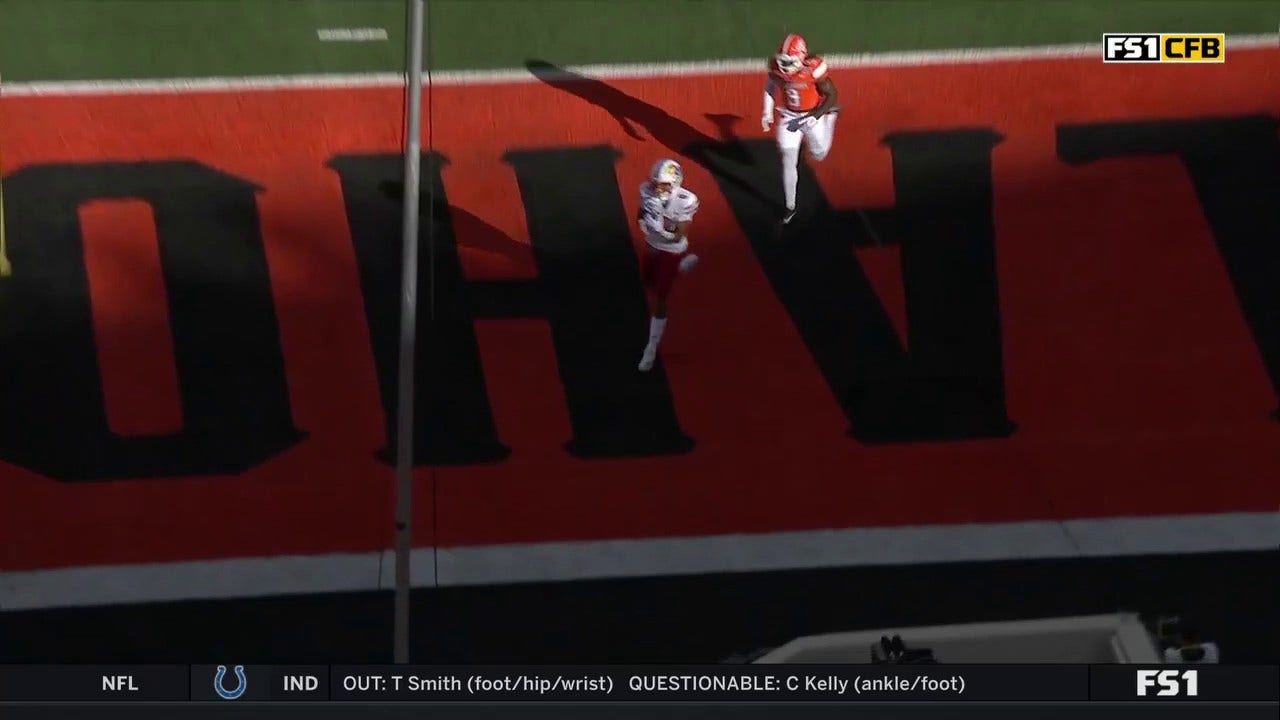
(790, 175)
(656, 326)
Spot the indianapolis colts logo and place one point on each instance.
(224, 693)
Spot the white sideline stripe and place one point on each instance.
(368, 34)
(607, 72)
(594, 560)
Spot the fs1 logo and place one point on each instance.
(1172, 683)
(1164, 48)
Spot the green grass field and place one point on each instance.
(111, 39)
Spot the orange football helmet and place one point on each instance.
(791, 54)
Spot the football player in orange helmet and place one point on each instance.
(807, 113)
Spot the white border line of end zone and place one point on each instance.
(637, 558)
(606, 72)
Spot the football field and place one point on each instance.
(1027, 317)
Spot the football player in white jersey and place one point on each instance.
(666, 210)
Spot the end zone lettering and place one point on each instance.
(1164, 47)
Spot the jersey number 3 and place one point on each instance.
(793, 97)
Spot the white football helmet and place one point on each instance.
(668, 173)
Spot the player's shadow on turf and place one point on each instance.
(478, 234)
(724, 125)
(678, 136)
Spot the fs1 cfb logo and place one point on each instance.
(1164, 47)
(1171, 683)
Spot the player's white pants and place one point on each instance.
(818, 137)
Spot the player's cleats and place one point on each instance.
(788, 216)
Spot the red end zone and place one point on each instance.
(1136, 387)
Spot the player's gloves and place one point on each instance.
(766, 121)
